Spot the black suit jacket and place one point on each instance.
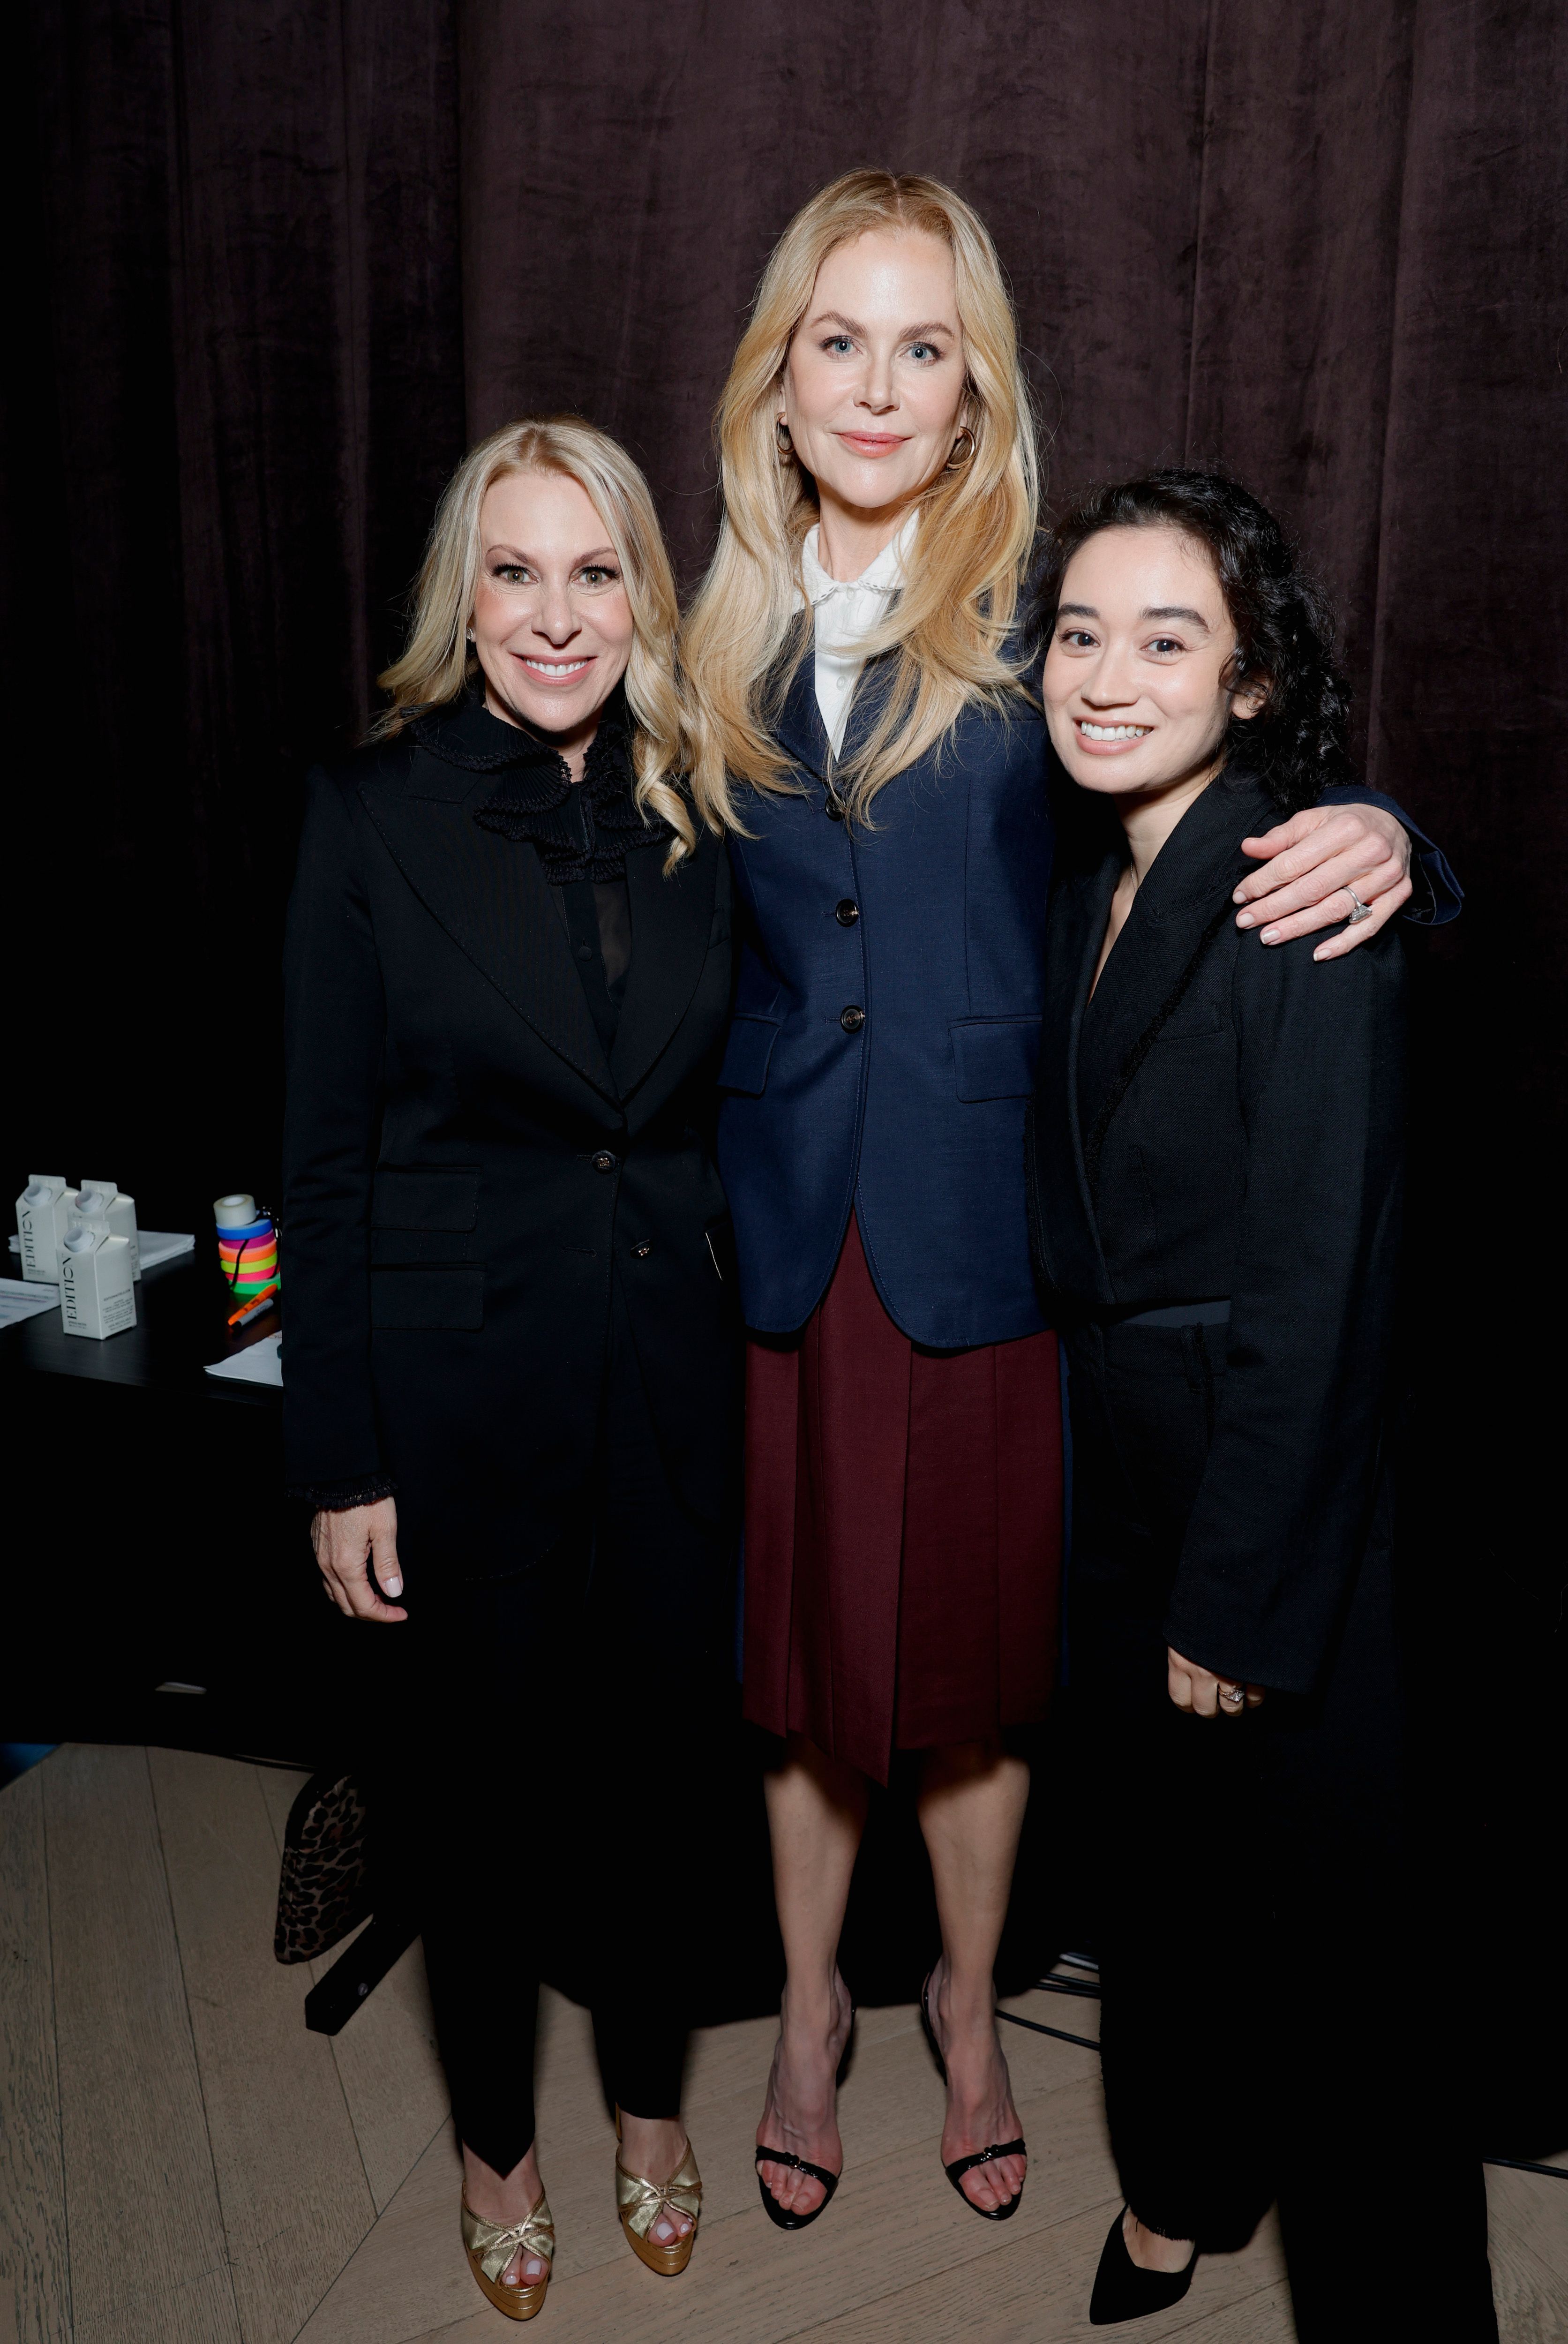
(466, 1168)
(1237, 1134)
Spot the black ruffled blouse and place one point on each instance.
(581, 832)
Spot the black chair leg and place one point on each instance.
(358, 1972)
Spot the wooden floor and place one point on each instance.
(182, 2163)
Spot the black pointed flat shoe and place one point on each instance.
(784, 2215)
(963, 2165)
(1123, 2292)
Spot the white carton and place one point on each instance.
(43, 1216)
(103, 1196)
(98, 1292)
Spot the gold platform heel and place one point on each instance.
(640, 2203)
(489, 2249)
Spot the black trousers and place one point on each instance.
(1266, 2030)
(551, 1732)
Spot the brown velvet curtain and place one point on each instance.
(271, 267)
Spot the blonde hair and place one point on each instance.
(977, 525)
(438, 660)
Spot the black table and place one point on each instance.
(149, 1543)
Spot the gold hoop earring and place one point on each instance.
(781, 440)
(956, 462)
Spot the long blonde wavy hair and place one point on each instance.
(438, 660)
(976, 531)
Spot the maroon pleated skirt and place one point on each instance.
(904, 1531)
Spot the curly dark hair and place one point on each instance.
(1296, 745)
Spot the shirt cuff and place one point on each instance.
(341, 1496)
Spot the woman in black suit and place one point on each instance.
(510, 1358)
(1217, 1159)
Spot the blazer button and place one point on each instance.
(834, 806)
(852, 1019)
(847, 913)
(604, 1161)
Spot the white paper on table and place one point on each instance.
(154, 1244)
(25, 1297)
(261, 1363)
(161, 1244)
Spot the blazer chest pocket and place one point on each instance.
(427, 1300)
(1194, 1023)
(994, 1057)
(414, 1197)
(746, 1055)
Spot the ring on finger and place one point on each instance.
(1232, 1696)
(1362, 912)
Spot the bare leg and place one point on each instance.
(653, 2146)
(504, 2201)
(817, 1813)
(972, 1800)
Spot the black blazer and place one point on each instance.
(465, 1168)
(1232, 1125)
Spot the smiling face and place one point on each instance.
(1134, 681)
(873, 386)
(552, 620)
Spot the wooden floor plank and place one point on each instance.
(279, 1787)
(386, 2056)
(35, 2281)
(1528, 2226)
(1036, 2291)
(409, 2278)
(401, 2279)
(148, 2259)
(391, 2073)
(295, 2198)
(899, 2261)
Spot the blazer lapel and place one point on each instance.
(494, 900)
(1070, 1239)
(672, 921)
(1189, 881)
(798, 726)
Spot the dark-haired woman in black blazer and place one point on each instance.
(1217, 1162)
(509, 1357)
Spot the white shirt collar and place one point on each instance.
(883, 577)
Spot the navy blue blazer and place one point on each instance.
(881, 1056)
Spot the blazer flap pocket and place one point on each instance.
(414, 1197)
(428, 1299)
(746, 1055)
(1191, 1022)
(993, 1057)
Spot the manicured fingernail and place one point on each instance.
(1270, 936)
(1244, 919)
(1239, 897)
(394, 1587)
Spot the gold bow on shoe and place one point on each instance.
(489, 2249)
(640, 2203)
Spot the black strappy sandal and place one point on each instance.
(963, 2165)
(830, 2181)
(784, 2217)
